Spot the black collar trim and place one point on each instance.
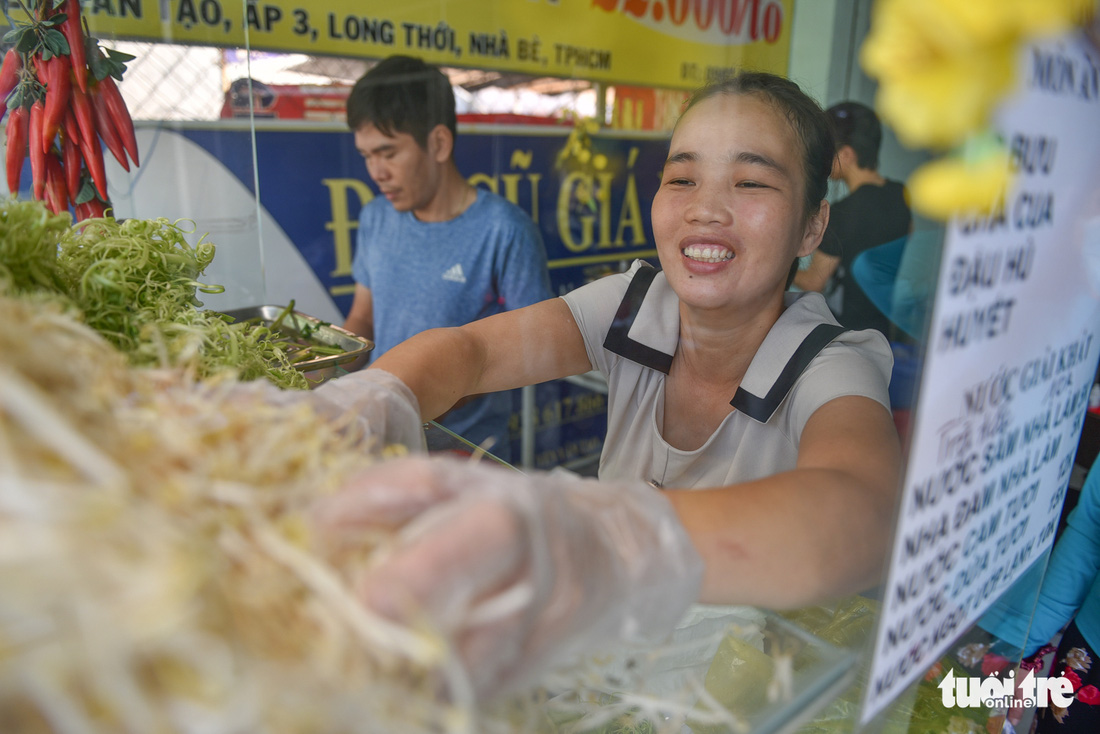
(762, 409)
(618, 339)
(758, 408)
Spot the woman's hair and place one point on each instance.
(403, 94)
(809, 121)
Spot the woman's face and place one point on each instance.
(728, 217)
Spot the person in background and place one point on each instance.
(750, 455)
(1068, 602)
(874, 213)
(432, 250)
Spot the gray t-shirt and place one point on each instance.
(631, 325)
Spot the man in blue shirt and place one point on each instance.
(432, 250)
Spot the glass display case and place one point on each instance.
(724, 670)
(239, 115)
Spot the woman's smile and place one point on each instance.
(708, 253)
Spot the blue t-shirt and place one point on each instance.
(426, 275)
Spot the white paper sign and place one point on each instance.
(1011, 357)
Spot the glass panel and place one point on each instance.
(197, 166)
(239, 116)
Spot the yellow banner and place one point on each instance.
(663, 43)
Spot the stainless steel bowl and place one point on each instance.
(301, 331)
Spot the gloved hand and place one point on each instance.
(521, 572)
(378, 402)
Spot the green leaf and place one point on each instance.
(100, 66)
(55, 40)
(54, 20)
(27, 43)
(87, 191)
(120, 56)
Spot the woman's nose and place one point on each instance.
(707, 206)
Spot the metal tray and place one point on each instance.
(294, 324)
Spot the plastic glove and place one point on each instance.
(521, 572)
(378, 402)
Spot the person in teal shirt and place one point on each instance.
(1069, 595)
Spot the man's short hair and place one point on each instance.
(856, 125)
(402, 94)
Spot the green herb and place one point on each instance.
(136, 283)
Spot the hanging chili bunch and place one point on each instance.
(64, 108)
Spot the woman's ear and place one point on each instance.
(815, 229)
(441, 143)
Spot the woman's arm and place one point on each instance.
(804, 536)
(501, 352)
(567, 564)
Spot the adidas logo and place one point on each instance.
(454, 273)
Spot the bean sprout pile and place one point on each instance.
(158, 568)
(156, 562)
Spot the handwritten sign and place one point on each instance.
(1012, 352)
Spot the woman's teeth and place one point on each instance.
(708, 254)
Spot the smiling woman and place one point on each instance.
(766, 424)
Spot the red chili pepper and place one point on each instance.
(70, 154)
(82, 110)
(38, 155)
(58, 86)
(70, 126)
(96, 208)
(116, 106)
(93, 159)
(39, 66)
(9, 72)
(74, 34)
(106, 127)
(57, 193)
(17, 147)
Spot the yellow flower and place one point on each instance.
(1040, 17)
(940, 70)
(950, 186)
(945, 98)
(943, 65)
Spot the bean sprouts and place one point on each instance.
(157, 565)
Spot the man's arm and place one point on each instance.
(804, 536)
(816, 276)
(360, 321)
